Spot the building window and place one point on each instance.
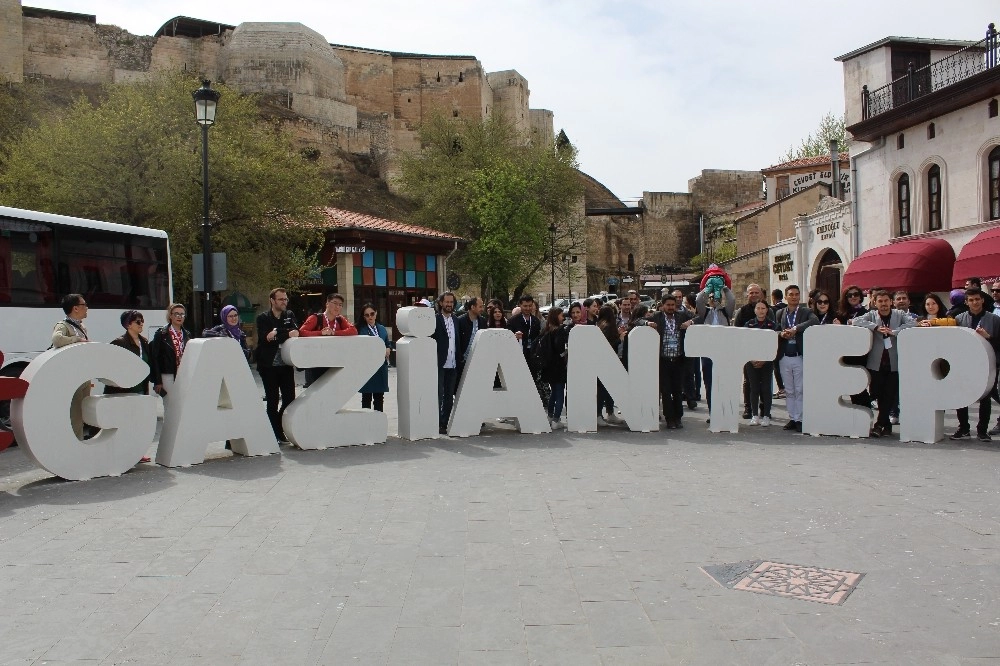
(994, 165)
(992, 108)
(903, 204)
(631, 262)
(934, 198)
(930, 131)
(782, 189)
(899, 142)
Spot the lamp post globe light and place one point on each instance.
(206, 101)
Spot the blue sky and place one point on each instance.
(650, 92)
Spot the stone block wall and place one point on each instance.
(61, 49)
(670, 220)
(510, 97)
(368, 78)
(187, 54)
(542, 129)
(325, 110)
(11, 42)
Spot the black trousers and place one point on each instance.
(278, 382)
(366, 401)
(759, 384)
(885, 389)
(447, 381)
(672, 388)
(984, 411)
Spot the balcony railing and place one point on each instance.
(965, 63)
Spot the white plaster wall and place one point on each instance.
(963, 139)
(870, 69)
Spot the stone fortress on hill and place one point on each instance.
(371, 103)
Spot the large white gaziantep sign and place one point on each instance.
(214, 398)
(477, 401)
(635, 390)
(828, 383)
(925, 390)
(41, 419)
(730, 349)
(315, 419)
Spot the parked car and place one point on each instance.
(563, 303)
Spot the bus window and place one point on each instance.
(26, 263)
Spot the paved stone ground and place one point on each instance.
(508, 549)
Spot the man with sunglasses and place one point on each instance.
(71, 331)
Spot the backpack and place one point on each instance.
(541, 351)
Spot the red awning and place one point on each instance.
(979, 258)
(919, 265)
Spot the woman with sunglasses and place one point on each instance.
(822, 308)
(851, 305)
(377, 385)
(135, 342)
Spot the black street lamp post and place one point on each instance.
(552, 259)
(205, 102)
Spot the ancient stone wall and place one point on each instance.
(369, 78)
(669, 217)
(542, 131)
(510, 97)
(63, 49)
(11, 42)
(186, 54)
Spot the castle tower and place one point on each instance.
(11, 41)
(510, 98)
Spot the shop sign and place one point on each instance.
(782, 266)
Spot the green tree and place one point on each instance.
(480, 180)
(135, 158)
(818, 142)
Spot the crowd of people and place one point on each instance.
(545, 346)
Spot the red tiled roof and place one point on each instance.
(338, 218)
(819, 160)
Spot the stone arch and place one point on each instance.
(827, 272)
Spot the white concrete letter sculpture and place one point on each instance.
(315, 419)
(214, 398)
(477, 401)
(41, 419)
(925, 391)
(417, 374)
(635, 390)
(730, 349)
(825, 411)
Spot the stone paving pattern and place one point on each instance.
(508, 549)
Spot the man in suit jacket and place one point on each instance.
(672, 324)
(985, 323)
(468, 325)
(449, 345)
(792, 321)
(886, 323)
(527, 329)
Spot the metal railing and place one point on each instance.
(960, 65)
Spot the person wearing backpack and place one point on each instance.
(329, 322)
(550, 354)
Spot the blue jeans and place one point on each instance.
(555, 405)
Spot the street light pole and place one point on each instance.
(552, 260)
(205, 103)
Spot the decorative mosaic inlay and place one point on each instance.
(827, 586)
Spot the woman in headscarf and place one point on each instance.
(229, 328)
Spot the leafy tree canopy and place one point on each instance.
(481, 181)
(818, 142)
(135, 158)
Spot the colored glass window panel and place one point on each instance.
(379, 258)
(380, 278)
(355, 259)
(368, 260)
(421, 262)
(390, 260)
(357, 275)
(411, 278)
(391, 278)
(432, 280)
(411, 261)
(431, 263)
(369, 275)
(400, 278)
(421, 280)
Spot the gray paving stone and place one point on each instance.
(619, 624)
(425, 645)
(602, 584)
(560, 644)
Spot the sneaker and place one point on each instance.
(601, 421)
(556, 424)
(995, 430)
(765, 421)
(894, 420)
(754, 420)
(984, 437)
(746, 415)
(962, 433)
(613, 419)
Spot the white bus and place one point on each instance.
(43, 257)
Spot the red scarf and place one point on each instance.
(178, 338)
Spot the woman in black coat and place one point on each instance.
(554, 338)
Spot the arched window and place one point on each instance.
(903, 204)
(934, 198)
(994, 171)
